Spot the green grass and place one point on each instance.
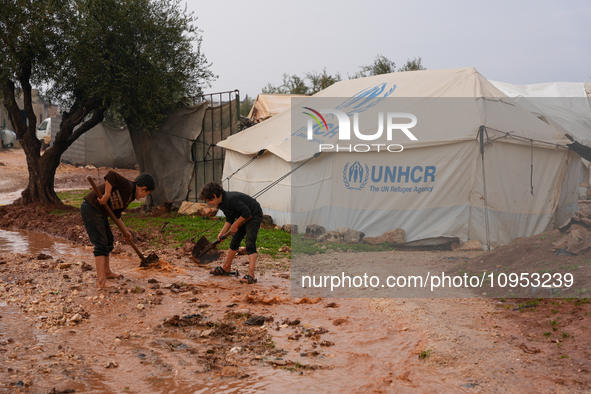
(311, 246)
(73, 197)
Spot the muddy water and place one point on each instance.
(370, 353)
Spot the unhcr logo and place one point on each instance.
(355, 176)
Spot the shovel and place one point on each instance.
(152, 258)
(205, 251)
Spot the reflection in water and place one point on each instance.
(9, 198)
(32, 242)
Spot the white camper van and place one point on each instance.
(44, 132)
(47, 128)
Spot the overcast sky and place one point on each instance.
(253, 42)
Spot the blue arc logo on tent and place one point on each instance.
(355, 176)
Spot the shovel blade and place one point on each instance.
(200, 247)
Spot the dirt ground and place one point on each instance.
(179, 330)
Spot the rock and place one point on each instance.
(111, 364)
(290, 228)
(331, 237)
(268, 220)
(140, 307)
(392, 237)
(43, 256)
(352, 236)
(343, 230)
(76, 318)
(206, 333)
(315, 230)
(197, 208)
(473, 244)
(64, 266)
(255, 321)
(285, 249)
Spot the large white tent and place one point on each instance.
(482, 167)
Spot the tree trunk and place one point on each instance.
(42, 167)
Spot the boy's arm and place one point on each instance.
(237, 223)
(124, 231)
(107, 194)
(224, 230)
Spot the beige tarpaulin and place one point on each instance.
(101, 146)
(167, 155)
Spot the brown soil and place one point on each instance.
(183, 331)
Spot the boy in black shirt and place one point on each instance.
(118, 192)
(239, 209)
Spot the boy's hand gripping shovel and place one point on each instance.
(205, 251)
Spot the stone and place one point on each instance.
(76, 318)
(343, 230)
(315, 230)
(290, 228)
(332, 237)
(352, 236)
(267, 220)
(206, 333)
(472, 245)
(392, 237)
(197, 208)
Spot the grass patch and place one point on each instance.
(310, 246)
(73, 197)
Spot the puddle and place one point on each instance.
(32, 242)
(9, 198)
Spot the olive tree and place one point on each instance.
(136, 58)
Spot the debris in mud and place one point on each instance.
(43, 256)
(316, 332)
(306, 300)
(66, 391)
(331, 305)
(187, 320)
(255, 321)
(295, 322)
(529, 350)
(111, 364)
(256, 298)
(294, 336)
(339, 321)
(326, 343)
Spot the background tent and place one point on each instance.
(494, 198)
(268, 105)
(101, 146)
(564, 105)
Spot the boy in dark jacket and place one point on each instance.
(118, 192)
(238, 208)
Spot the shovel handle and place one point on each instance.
(117, 221)
(227, 234)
